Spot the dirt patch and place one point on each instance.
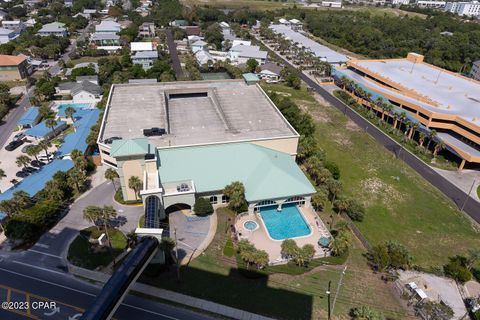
(377, 190)
(320, 99)
(280, 93)
(341, 140)
(352, 126)
(316, 111)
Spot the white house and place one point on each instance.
(30, 22)
(198, 45)
(241, 54)
(53, 29)
(3, 14)
(141, 46)
(296, 25)
(13, 25)
(435, 4)
(108, 26)
(6, 35)
(108, 41)
(238, 42)
(145, 58)
(270, 72)
(333, 3)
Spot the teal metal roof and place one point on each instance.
(265, 173)
(130, 147)
(250, 77)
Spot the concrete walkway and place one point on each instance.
(172, 296)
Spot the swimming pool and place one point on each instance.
(285, 224)
(77, 106)
(250, 225)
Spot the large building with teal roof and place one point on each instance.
(207, 134)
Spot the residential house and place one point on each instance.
(68, 3)
(147, 30)
(141, 46)
(3, 15)
(13, 67)
(204, 57)
(108, 41)
(53, 29)
(6, 35)
(84, 91)
(145, 58)
(475, 72)
(270, 72)
(224, 25)
(434, 4)
(241, 54)
(198, 45)
(238, 42)
(92, 79)
(13, 25)
(108, 26)
(30, 23)
(178, 23)
(192, 30)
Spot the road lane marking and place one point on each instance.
(44, 253)
(39, 268)
(41, 245)
(149, 311)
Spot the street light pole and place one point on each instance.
(468, 195)
(328, 301)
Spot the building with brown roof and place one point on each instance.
(13, 67)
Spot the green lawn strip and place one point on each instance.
(400, 204)
(119, 198)
(86, 255)
(229, 250)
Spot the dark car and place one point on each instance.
(154, 132)
(29, 169)
(111, 139)
(21, 174)
(36, 163)
(14, 145)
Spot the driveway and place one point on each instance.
(172, 48)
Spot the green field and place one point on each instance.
(215, 76)
(400, 204)
(238, 4)
(294, 296)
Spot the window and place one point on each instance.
(298, 200)
(213, 200)
(225, 199)
(266, 203)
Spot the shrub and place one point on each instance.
(366, 313)
(334, 169)
(391, 254)
(236, 192)
(355, 210)
(202, 207)
(456, 270)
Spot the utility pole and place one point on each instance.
(328, 301)
(338, 288)
(468, 195)
(176, 254)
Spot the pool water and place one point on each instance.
(286, 224)
(250, 225)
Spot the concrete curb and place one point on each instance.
(172, 296)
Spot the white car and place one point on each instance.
(19, 136)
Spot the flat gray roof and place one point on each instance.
(449, 93)
(193, 112)
(319, 50)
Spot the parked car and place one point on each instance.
(21, 174)
(29, 169)
(37, 163)
(45, 158)
(14, 145)
(19, 136)
(154, 132)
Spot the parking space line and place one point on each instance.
(44, 253)
(41, 245)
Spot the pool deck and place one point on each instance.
(262, 241)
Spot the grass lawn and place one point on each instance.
(85, 59)
(237, 4)
(400, 204)
(86, 255)
(214, 277)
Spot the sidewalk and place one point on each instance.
(172, 296)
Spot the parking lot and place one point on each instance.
(9, 158)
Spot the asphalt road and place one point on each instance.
(71, 296)
(13, 116)
(172, 48)
(471, 206)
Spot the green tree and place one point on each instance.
(23, 161)
(51, 123)
(135, 184)
(289, 249)
(111, 174)
(366, 313)
(34, 151)
(69, 112)
(45, 144)
(202, 207)
(5, 97)
(236, 192)
(252, 65)
(92, 214)
(305, 255)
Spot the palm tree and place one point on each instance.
(396, 116)
(69, 112)
(341, 205)
(54, 192)
(334, 188)
(92, 214)
(408, 125)
(431, 135)
(8, 207)
(45, 144)
(438, 147)
(340, 244)
(76, 177)
(379, 103)
(135, 184)
(51, 123)
(421, 138)
(23, 161)
(111, 174)
(413, 128)
(33, 151)
(75, 154)
(21, 200)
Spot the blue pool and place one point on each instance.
(76, 106)
(285, 224)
